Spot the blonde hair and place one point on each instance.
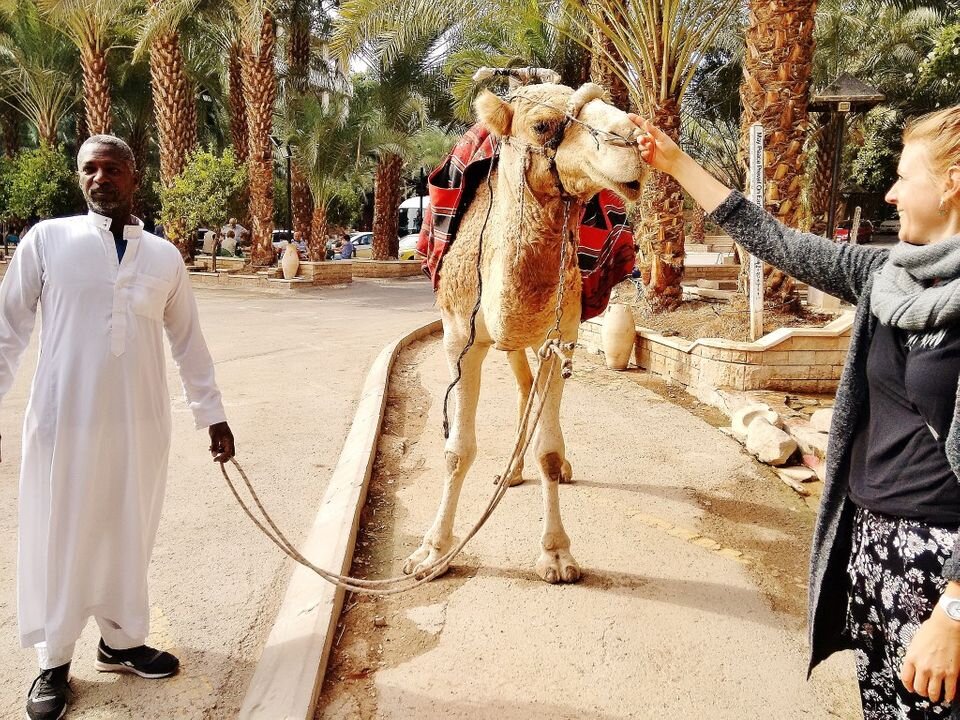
(940, 131)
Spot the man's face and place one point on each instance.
(107, 179)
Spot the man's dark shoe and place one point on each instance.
(143, 661)
(47, 699)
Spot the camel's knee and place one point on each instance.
(459, 461)
(552, 465)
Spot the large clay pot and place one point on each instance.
(290, 263)
(618, 335)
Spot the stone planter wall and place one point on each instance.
(310, 275)
(224, 264)
(802, 360)
(386, 268)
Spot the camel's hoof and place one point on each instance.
(566, 475)
(555, 566)
(516, 477)
(422, 562)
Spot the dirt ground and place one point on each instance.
(393, 657)
(721, 319)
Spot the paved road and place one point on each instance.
(291, 370)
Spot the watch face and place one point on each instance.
(952, 609)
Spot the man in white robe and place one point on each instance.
(96, 431)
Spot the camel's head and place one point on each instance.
(592, 141)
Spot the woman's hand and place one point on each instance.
(932, 663)
(662, 153)
(656, 147)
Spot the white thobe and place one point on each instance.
(96, 432)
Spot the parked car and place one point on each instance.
(889, 227)
(408, 247)
(864, 234)
(362, 244)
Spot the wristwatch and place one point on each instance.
(951, 606)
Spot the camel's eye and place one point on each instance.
(541, 127)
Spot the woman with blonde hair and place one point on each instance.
(885, 560)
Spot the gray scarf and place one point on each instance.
(904, 295)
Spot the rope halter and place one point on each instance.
(570, 115)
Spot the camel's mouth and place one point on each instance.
(630, 190)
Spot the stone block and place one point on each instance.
(769, 443)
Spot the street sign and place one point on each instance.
(755, 274)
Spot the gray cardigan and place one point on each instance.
(845, 271)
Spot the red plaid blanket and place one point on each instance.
(606, 253)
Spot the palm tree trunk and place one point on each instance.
(317, 244)
(299, 47)
(386, 203)
(661, 224)
(96, 85)
(299, 51)
(175, 109)
(698, 229)
(238, 111)
(777, 69)
(82, 129)
(11, 132)
(823, 168)
(260, 86)
(302, 205)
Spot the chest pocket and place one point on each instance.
(148, 297)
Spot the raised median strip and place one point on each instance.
(289, 675)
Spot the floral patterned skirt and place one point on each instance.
(894, 570)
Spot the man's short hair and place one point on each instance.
(113, 142)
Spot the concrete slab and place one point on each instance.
(694, 567)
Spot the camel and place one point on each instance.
(593, 147)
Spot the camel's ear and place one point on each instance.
(494, 112)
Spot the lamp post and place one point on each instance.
(844, 95)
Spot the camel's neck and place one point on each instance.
(531, 231)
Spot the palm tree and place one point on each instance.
(659, 44)
(405, 81)
(777, 69)
(260, 91)
(174, 105)
(297, 79)
(331, 154)
(36, 70)
(93, 26)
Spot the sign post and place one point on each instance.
(755, 275)
(855, 226)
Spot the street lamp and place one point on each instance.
(844, 95)
(286, 154)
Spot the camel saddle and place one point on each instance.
(605, 251)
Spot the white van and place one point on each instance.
(411, 216)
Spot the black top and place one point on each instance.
(898, 464)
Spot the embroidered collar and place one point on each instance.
(103, 222)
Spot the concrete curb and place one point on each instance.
(289, 674)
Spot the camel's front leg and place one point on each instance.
(460, 451)
(555, 564)
(524, 378)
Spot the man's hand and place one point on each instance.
(221, 442)
(932, 663)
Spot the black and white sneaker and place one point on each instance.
(47, 699)
(144, 661)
